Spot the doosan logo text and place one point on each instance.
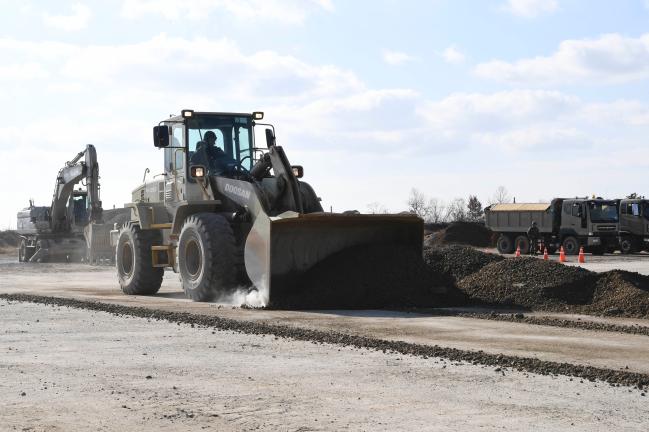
(237, 190)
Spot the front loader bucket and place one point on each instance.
(280, 250)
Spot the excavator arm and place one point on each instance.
(68, 177)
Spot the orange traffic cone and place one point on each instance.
(518, 250)
(582, 257)
(545, 254)
(562, 255)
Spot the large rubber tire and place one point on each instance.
(523, 242)
(134, 264)
(504, 244)
(208, 257)
(627, 246)
(571, 246)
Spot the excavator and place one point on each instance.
(71, 228)
(228, 212)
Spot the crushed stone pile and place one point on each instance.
(469, 233)
(367, 277)
(622, 293)
(530, 283)
(457, 261)
(9, 239)
(116, 216)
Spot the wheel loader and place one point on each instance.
(229, 214)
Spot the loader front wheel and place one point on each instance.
(207, 257)
(135, 270)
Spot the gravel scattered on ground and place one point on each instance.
(614, 377)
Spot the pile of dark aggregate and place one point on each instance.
(469, 233)
(456, 261)
(622, 293)
(367, 277)
(9, 239)
(530, 283)
(533, 365)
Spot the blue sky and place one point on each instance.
(545, 97)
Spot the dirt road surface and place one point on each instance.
(71, 370)
(236, 381)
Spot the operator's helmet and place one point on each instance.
(209, 137)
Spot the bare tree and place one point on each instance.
(501, 196)
(474, 208)
(417, 204)
(376, 207)
(456, 210)
(435, 210)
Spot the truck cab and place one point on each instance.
(592, 223)
(634, 225)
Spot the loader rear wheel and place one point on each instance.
(208, 259)
(135, 270)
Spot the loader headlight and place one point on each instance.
(197, 172)
(258, 115)
(187, 113)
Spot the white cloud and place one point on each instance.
(453, 55)
(327, 118)
(611, 58)
(396, 58)
(283, 11)
(530, 8)
(78, 20)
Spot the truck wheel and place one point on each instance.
(135, 271)
(523, 242)
(207, 257)
(570, 246)
(626, 246)
(504, 244)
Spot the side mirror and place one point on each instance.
(161, 136)
(298, 171)
(270, 138)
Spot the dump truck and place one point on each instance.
(634, 225)
(71, 228)
(229, 213)
(569, 222)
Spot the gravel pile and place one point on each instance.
(456, 261)
(468, 233)
(9, 239)
(366, 277)
(530, 283)
(621, 293)
(116, 216)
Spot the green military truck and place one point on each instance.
(568, 222)
(634, 225)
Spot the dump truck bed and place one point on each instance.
(518, 218)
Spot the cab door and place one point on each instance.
(175, 167)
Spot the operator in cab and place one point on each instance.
(211, 156)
